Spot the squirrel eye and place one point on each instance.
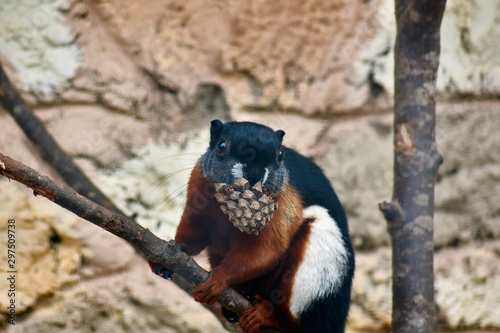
(222, 147)
(280, 155)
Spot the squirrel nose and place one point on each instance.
(254, 175)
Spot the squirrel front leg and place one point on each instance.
(192, 229)
(249, 259)
(192, 235)
(191, 238)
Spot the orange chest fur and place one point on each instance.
(223, 236)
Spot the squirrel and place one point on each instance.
(298, 270)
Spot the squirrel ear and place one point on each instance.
(215, 131)
(280, 134)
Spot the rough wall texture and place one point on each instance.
(41, 46)
(128, 88)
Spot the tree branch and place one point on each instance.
(150, 246)
(50, 151)
(393, 214)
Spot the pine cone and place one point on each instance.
(249, 209)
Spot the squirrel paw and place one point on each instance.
(163, 271)
(209, 291)
(257, 317)
(160, 270)
(229, 315)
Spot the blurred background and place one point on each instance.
(128, 89)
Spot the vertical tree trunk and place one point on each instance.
(416, 160)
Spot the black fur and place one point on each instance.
(256, 146)
(328, 314)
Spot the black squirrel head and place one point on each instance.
(245, 150)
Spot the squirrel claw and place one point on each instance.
(164, 272)
(258, 316)
(160, 270)
(181, 248)
(229, 315)
(209, 291)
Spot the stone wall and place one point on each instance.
(128, 88)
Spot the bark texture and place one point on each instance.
(416, 160)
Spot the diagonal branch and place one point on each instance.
(51, 152)
(151, 247)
